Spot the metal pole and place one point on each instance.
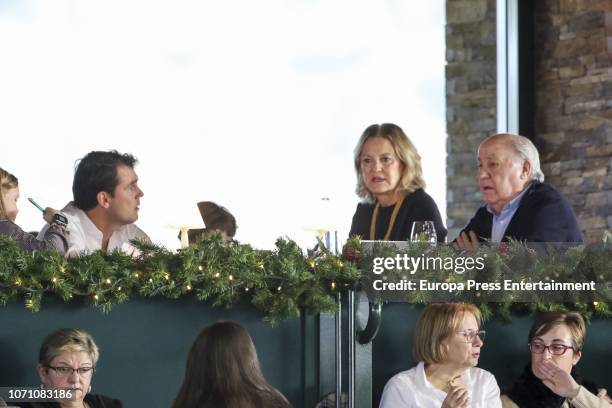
(336, 242)
(338, 350)
(507, 66)
(351, 348)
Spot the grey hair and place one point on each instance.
(526, 151)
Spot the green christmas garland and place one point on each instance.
(282, 283)
(514, 261)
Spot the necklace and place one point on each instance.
(396, 209)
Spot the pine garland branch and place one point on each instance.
(282, 283)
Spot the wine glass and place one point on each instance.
(423, 231)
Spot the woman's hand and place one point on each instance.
(457, 397)
(559, 381)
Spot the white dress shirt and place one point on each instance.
(83, 235)
(411, 389)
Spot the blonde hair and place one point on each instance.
(437, 322)
(573, 321)
(7, 182)
(67, 340)
(412, 175)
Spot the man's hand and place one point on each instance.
(559, 381)
(467, 242)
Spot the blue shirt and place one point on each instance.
(501, 220)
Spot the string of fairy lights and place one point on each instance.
(283, 283)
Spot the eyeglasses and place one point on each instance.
(67, 371)
(470, 335)
(555, 349)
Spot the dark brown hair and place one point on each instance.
(96, 172)
(217, 217)
(548, 320)
(223, 371)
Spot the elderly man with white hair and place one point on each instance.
(519, 205)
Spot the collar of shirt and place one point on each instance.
(501, 220)
(84, 235)
(423, 383)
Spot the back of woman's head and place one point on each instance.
(7, 182)
(223, 371)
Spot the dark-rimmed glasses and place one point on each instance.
(555, 349)
(62, 371)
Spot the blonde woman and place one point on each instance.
(67, 361)
(390, 180)
(9, 194)
(447, 345)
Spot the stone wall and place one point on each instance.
(572, 115)
(470, 101)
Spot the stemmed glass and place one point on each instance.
(423, 231)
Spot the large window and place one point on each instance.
(254, 105)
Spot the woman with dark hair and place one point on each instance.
(9, 194)
(223, 371)
(550, 380)
(390, 180)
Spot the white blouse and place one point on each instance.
(411, 389)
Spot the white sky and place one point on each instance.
(254, 105)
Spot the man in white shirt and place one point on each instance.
(105, 206)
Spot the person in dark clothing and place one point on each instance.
(390, 180)
(67, 361)
(9, 194)
(550, 381)
(519, 205)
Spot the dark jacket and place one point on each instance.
(94, 401)
(417, 206)
(543, 215)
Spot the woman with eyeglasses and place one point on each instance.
(447, 343)
(67, 361)
(555, 342)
